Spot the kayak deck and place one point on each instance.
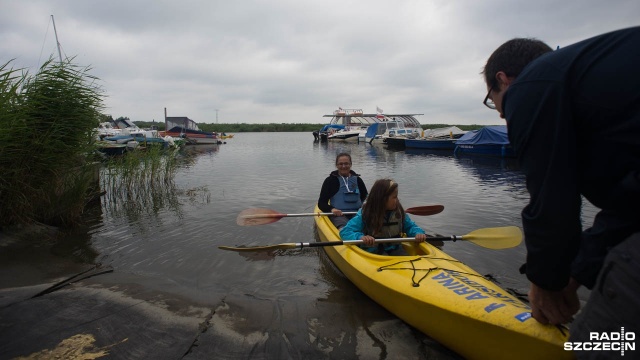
(447, 300)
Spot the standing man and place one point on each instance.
(573, 117)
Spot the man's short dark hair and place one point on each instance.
(512, 56)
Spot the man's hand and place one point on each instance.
(554, 307)
(336, 212)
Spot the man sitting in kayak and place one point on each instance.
(382, 216)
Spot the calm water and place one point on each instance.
(295, 303)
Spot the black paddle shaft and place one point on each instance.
(320, 244)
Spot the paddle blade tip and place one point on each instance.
(284, 246)
(425, 210)
(499, 238)
(257, 216)
(229, 248)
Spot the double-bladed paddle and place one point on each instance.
(490, 238)
(260, 216)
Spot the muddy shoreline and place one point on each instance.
(57, 307)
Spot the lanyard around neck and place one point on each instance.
(346, 184)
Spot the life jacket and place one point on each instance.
(391, 228)
(348, 196)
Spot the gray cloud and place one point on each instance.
(294, 61)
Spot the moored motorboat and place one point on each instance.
(391, 133)
(351, 125)
(490, 140)
(396, 138)
(432, 144)
(111, 148)
(436, 139)
(124, 131)
(394, 142)
(106, 129)
(352, 134)
(185, 128)
(447, 300)
(323, 134)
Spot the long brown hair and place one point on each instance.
(374, 209)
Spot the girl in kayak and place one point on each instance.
(382, 216)
(342, 190)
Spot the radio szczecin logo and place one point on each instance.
(606, 341)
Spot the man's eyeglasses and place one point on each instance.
(489, 102)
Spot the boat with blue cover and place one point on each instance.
(490, 140)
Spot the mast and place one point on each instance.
(57, 42)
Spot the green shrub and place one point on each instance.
(46, 133)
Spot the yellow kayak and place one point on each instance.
(447, 301)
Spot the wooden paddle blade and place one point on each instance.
(284, 246)
(425, 210)
(258, 216)
(496, 238)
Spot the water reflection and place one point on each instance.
(503, 163)
(76, 242)
(429, 152)
(135, 200)
(169, 227)
(201, 149)
(493, 170)
(145, 185)
(380, 154)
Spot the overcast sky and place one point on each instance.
(293, 61)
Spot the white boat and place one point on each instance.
(382, 132)
(436, 139)
(451, 132)
(106, 129)
(348, 134)
(128, 127)
(125, 131)
(352, 124)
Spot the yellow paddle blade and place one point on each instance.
(496, 238)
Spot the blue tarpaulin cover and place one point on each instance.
(496, 134)
(372, 131)
(331, 126)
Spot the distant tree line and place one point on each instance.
(244, 127)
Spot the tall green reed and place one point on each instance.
(140, 182)
(46, 133)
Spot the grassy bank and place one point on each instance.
(46, 134)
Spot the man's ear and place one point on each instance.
(503, 79)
